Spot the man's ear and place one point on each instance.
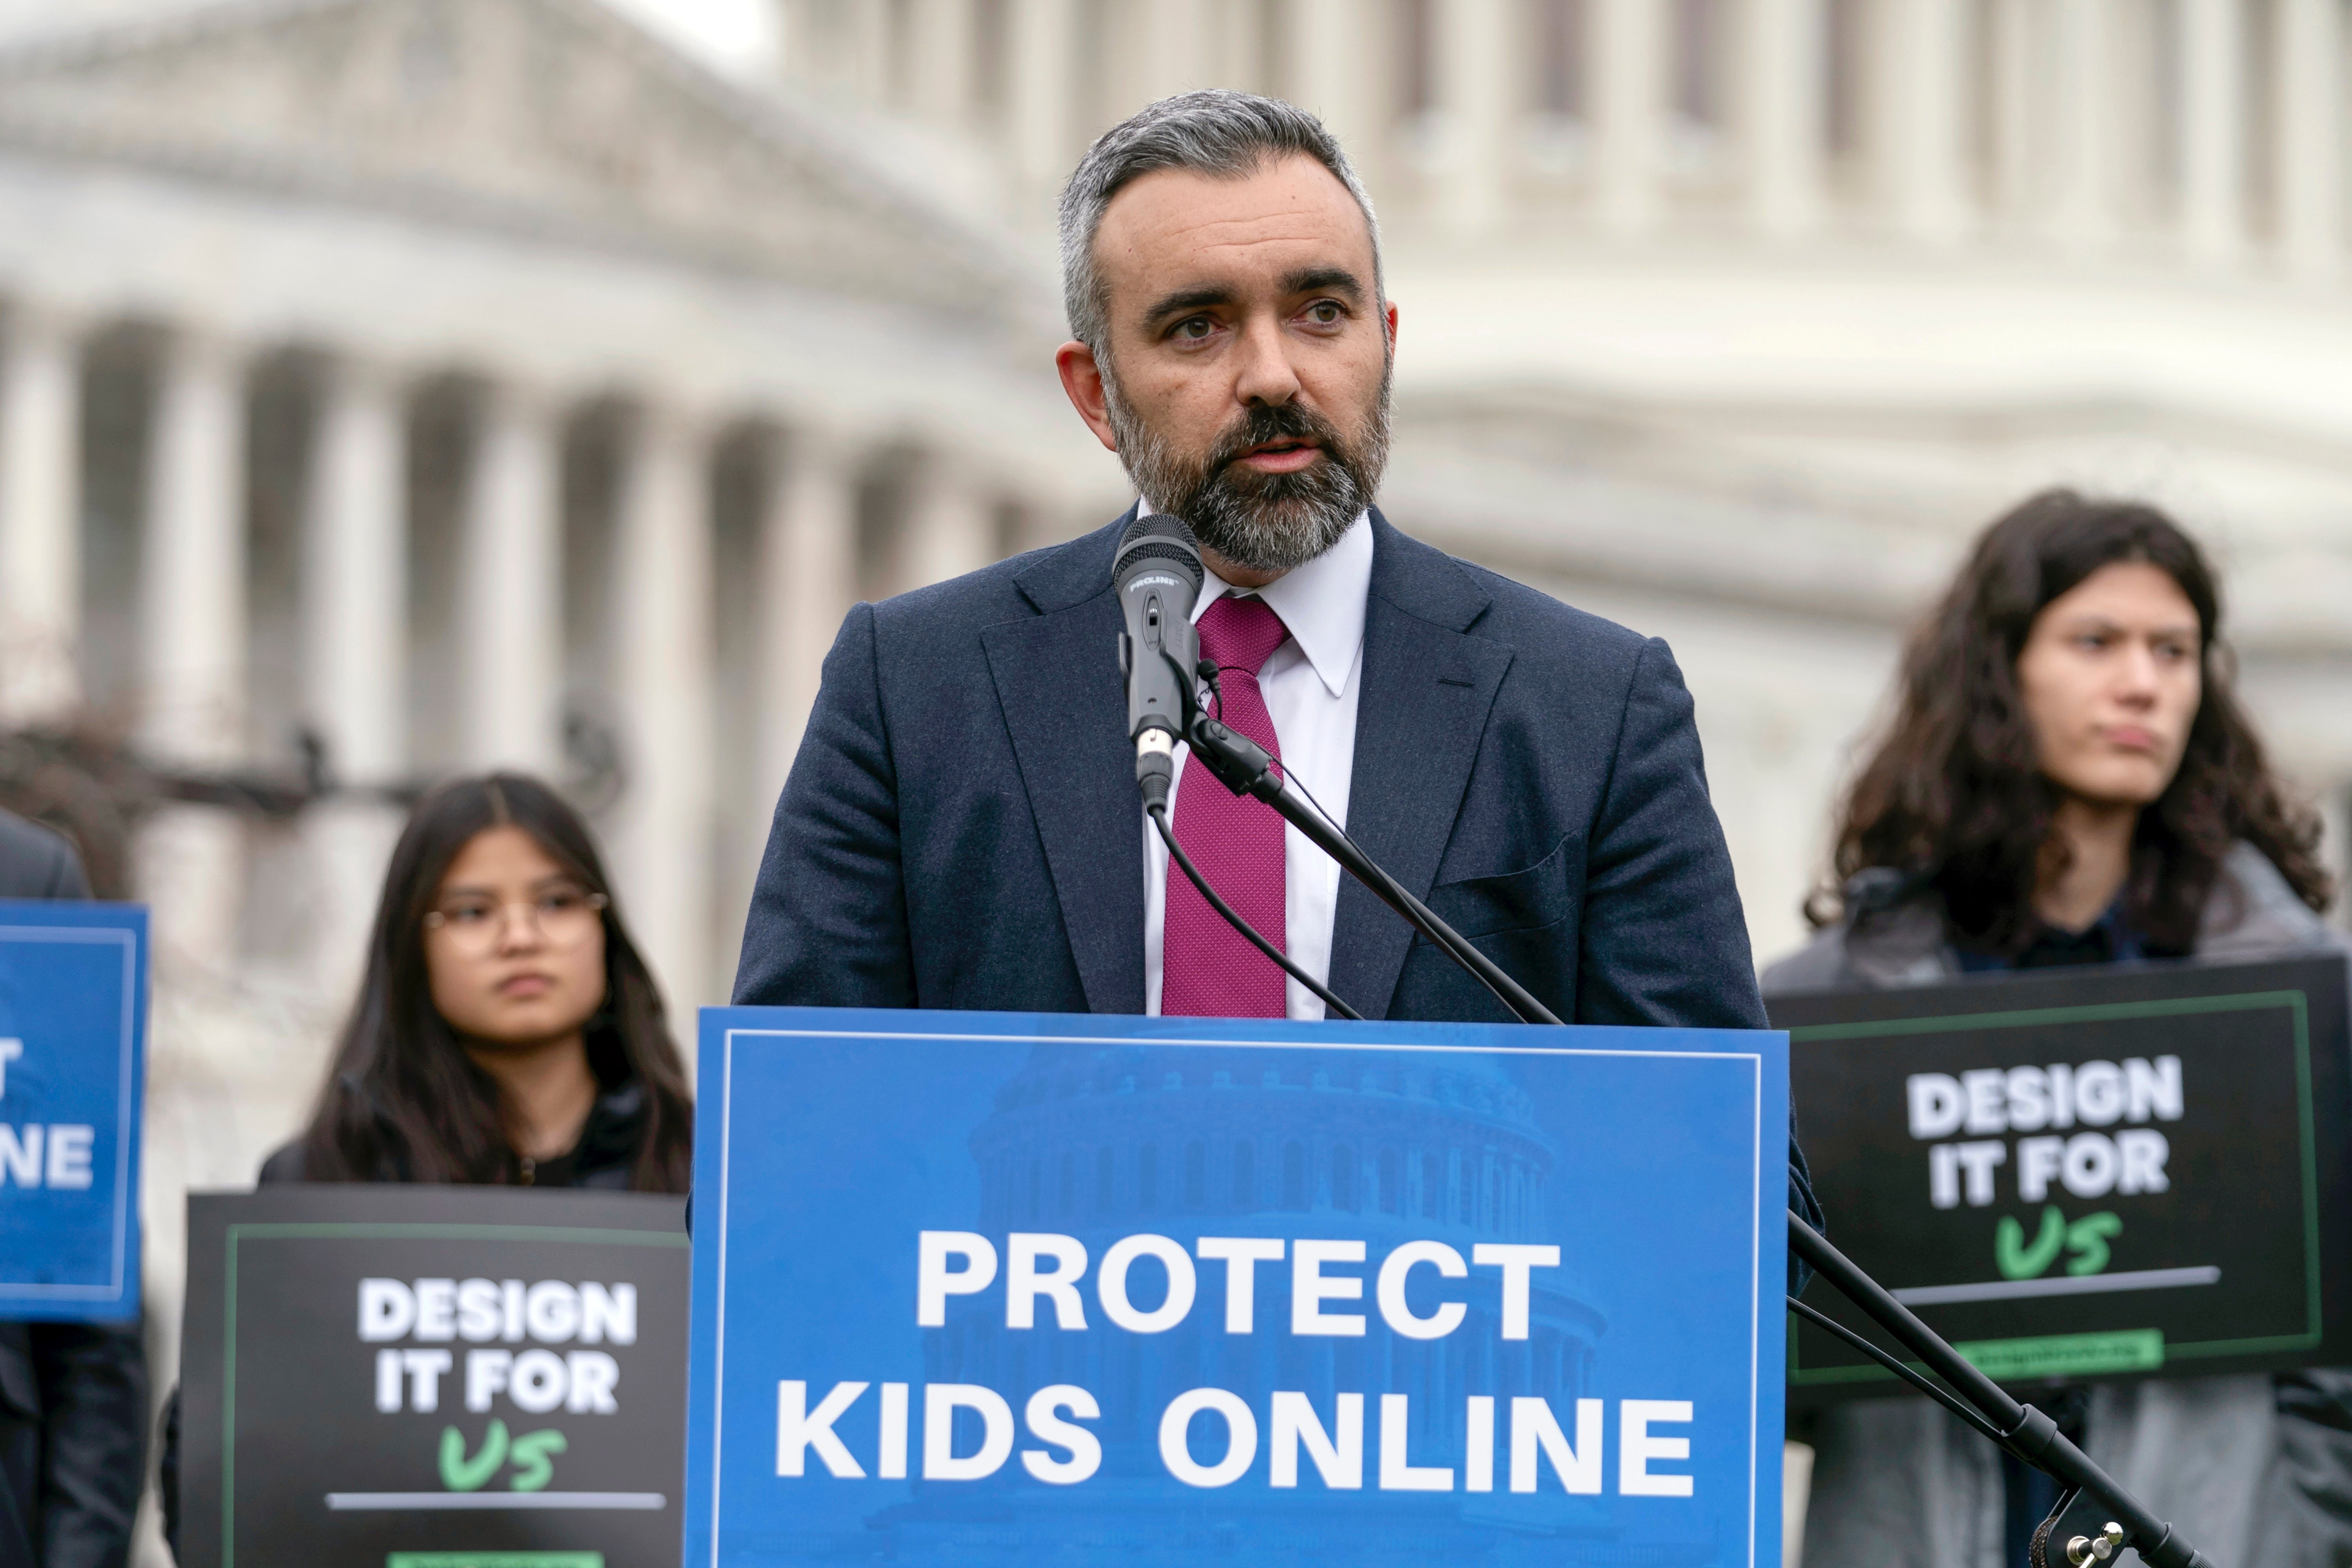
(1082, 379)
(1389, 319)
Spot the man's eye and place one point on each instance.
(1194, 329)
(1324, 312)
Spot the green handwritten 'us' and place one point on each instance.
(532, 1454)
(2086, 1238)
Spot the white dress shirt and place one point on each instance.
(1310, 684)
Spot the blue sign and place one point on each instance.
(73, 1052)
(988, 1287)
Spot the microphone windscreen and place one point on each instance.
(1162, 540)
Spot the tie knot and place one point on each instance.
(1240, 634)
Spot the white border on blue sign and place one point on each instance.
(124, 1129)
(726, 1127)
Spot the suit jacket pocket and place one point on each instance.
(1528, 900)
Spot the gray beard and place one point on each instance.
(1262, 522)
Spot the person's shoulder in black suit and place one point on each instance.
(37, 862)
(1542, 626)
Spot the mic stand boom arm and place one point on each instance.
(1246, 768)
(2023, 1429)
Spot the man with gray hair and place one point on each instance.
(962, 829)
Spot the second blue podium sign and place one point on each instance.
(977, 1288)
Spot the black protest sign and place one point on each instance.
(2088, 1172)
(433, 1377)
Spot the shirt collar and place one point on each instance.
(1322, 602)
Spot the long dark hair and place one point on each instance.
(404, 1100)
(1954, 798)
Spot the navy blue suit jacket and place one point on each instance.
(961, 828)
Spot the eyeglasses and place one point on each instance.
(563, 916)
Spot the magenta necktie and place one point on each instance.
(1208, 970)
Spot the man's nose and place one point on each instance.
(1265, 374)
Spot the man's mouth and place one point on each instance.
(1284, 455)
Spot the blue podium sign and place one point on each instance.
(73, 1032)
(989, 1287)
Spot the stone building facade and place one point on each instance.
(1734, 320)
(419, 387)
(390, 387)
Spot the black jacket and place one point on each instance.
(603, 1158)
(960, 827)
(73, 1396)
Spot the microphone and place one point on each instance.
(1157, 575)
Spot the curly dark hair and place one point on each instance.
(1953, 798)
(404, 1100)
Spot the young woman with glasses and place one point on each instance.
(506, 1031)
(2068, 779)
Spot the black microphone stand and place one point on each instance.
(2095, 1518)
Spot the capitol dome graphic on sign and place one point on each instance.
(1101, 1144)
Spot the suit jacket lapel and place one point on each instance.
(1065, 707)
(1427, 691)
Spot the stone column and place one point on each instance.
(355, 586)
(510, 586)
(2019, 152)
(801, 53)
(1475, 77)
(808, 580)
(2310, 136)
(1787, 91)
(41, 536)
(1325, 44)
(2212, 96)
(868, 50)
(355, 643)
(2082, 217)
(663, 836)
(193, 616)
(1176, 48)
(950, 529)
(1631, 83)
(1923, 55)
(937, 49)
(1044, 59)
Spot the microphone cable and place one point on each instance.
(1331, 999)
(1895, 1364)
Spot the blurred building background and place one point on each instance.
(390, 387)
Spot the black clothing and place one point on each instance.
(2106, 940)
(606, 1156)
(953, 834)
(73, 1396)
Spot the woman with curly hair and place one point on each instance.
(2068, 779)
